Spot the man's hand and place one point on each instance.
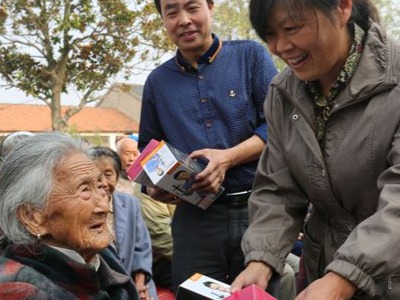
(330, 287)
(256, 272)
(211, 178)
(163, 196)
(219, 161)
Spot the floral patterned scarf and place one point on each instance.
(323, 104)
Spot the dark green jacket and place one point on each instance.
(41, 272)
(354, 185)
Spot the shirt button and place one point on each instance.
(204, 100)
(208, 123)
(200, 76)
(295, 117)
(323, 173)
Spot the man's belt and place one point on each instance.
(237, 199)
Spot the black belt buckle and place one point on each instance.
(237, 199)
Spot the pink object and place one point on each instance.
(252, 292)
(135, 169)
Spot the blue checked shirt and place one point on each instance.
(218, 105)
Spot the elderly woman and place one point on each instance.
(131, 238)
(53, 212)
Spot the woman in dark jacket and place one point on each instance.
(334, 140)
(53, 212)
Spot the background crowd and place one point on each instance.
(308, 157)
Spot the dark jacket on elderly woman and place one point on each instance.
(41, 272)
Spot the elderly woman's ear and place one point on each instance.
(32, 219)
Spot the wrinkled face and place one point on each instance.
(315, 48)
(106, 167)
(128, 152)
(188, 25)
(75, 217)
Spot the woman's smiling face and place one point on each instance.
(315, 46)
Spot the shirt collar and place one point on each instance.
(207, 58)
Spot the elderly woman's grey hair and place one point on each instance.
(11, 140)
(26, 178)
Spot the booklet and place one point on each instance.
(201, 287)
(173, 171)
(136, 172)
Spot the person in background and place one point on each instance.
(157, 216)
(334, 140)
(127, 149)
(131, 239)
(53, 212)
(207, 101)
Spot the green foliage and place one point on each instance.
(231, 20)
(389, 11)
(74, 131)
(152, 27)
(49, 46)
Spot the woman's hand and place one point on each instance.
(330, 287)
(141, 287)
(256, 272)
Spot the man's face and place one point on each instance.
(188, 25)
(128, 152)
(76, 213)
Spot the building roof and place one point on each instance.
(36, 118)
(124, 97)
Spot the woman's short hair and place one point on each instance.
(99, 152)
(26, 178)
(260, 11)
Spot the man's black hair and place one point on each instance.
(158, 4)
